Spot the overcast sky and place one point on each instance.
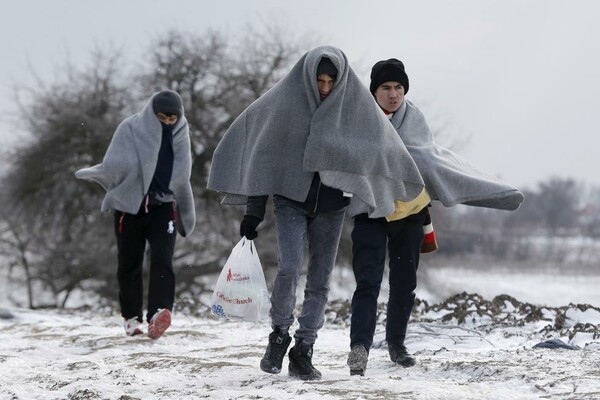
(518, 78)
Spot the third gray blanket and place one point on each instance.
(448, 177)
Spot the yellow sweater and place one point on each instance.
(403, 209)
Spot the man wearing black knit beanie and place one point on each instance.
(391, 70)
(408, 231)
(401, 234)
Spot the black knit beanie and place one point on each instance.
(386, 71)
(327, 67)
(168, 102)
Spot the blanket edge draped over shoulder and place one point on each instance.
(275, 146)
(448, 177)
(129, 163)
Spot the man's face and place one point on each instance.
(167, 119)
(390, 95)
(325, 84)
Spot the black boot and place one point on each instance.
(400, 356)
(300, 364)
(276, 349)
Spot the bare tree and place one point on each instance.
(15, 246)
(56, 235)
(558, 200)
(70, 123)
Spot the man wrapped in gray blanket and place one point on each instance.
(146, 174)
(448, 178)
(313, 141)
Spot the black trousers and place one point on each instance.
(370, 240)
(157, 227)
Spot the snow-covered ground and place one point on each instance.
(534, 286)
(467, 347)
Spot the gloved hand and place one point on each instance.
(248, 226)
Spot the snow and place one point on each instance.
(85, 355)
(467, 346)
(548, 288)
(577, 316)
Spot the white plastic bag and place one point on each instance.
(241, 290)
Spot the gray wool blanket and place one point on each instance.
(448, 177)
(130, 161)
(277, 144)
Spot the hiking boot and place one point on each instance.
(357, 360)
(159, 323)
(300, 365)
(400, 356)
(132, 327)
(276, 350)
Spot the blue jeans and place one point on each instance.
(294, 228)
(371, 238)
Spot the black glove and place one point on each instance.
(248, 226)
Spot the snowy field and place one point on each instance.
(538, 287)
(467, 347)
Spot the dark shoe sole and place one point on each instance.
(310, 377)
(406, 362)
(360, 372)
(269, 369)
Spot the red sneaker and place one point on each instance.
(159, 323)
